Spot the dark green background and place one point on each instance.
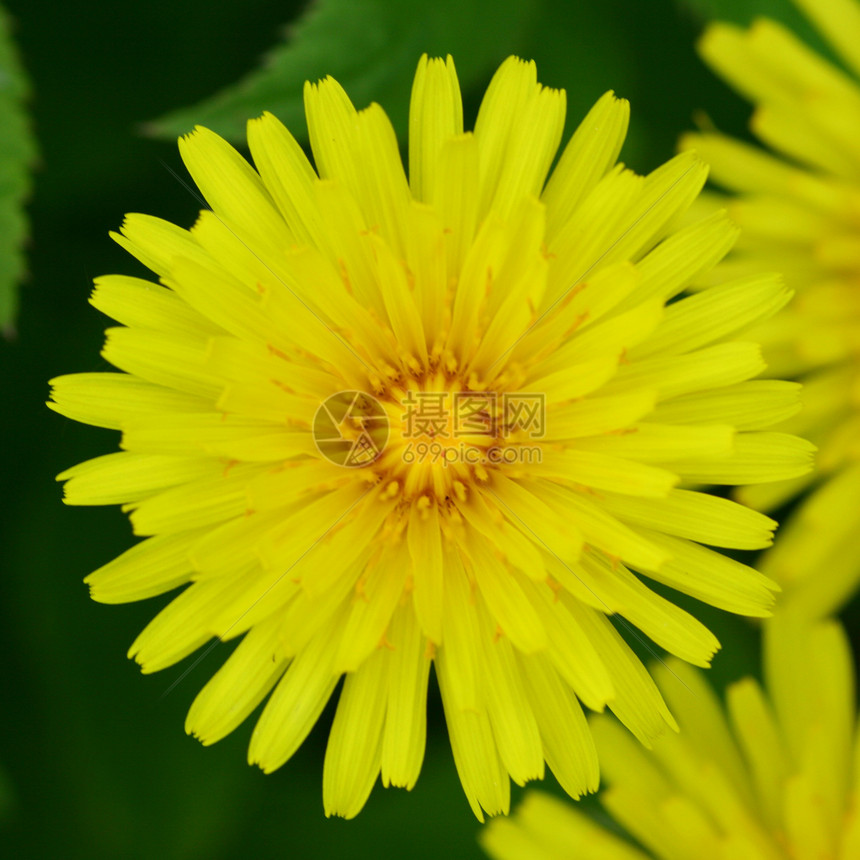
(93, 755)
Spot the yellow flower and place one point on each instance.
(799, 208)
(377, 423)
(772, 776)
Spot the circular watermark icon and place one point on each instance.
(350, 429)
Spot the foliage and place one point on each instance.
(370, 47)
(17, 149)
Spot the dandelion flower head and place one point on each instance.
(372, 423)
(774, 775)
(799, 207)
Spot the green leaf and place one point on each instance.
(17, 149)
(372, 48)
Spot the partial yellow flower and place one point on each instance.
(374, 423)
(774, 775)
(799, 207)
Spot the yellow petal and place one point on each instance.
(111, 399)
(233, 692)
(406, 718)
(435, 115)
(354, 748)
(296, 703)
(232, 188)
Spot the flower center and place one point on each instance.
(441, 433)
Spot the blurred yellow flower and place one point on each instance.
(379, 422)
(799, 208)
(775, 776)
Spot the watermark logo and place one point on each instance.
(494, 455)
(425, 413)
(350, 429)
(455, 414)
(524, 412)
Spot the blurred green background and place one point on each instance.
(94, 761)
